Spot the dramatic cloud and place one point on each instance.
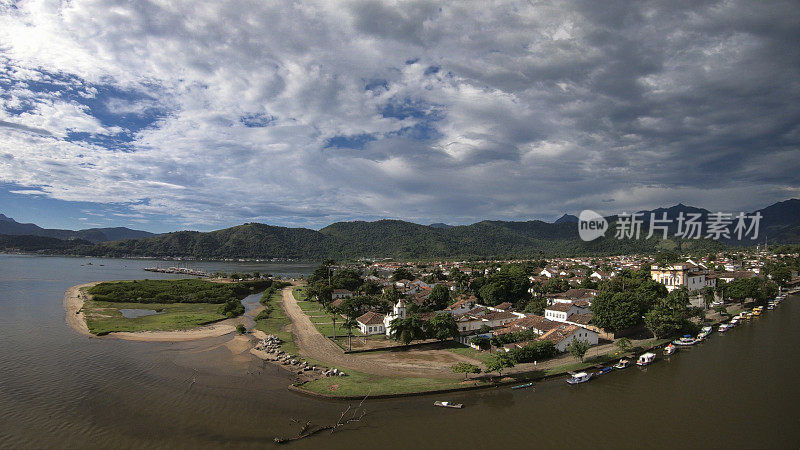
(303, 113)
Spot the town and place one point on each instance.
(515, 315)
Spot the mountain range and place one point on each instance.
(396, 239)
(10, 226)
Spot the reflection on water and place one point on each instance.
(59, 389)
(130, 313)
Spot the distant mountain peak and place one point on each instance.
(567, 218)
(440, 225)
(4, 218)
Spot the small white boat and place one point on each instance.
(580, 377)
(448, 404)
(706, 329)
(724, 327)
(622, 364)
(646, 359)
(733, 322)
(686, 340)
(670, 349)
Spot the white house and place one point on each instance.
(559, 312)
(371, 323)
(563, 335)
(341, 293)
(480, 316)
(549, 272)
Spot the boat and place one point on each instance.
(686, 340)
(580, 377)
(522, 386)
(771, 307)
(706, 329)
(622, 364)
(670, 349)
(604, 370)
(724, 327)
(646, 359)
(447, 404)
(733, 322)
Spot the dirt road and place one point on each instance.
(406, 363)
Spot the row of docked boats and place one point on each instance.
(748, 315)
(645, 359)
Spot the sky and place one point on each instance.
(202, 115)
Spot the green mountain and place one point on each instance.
(384, 238)
(406, 240)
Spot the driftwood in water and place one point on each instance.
(348, 415)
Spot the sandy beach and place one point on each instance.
(73, 302)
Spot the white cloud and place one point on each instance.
(538, 107)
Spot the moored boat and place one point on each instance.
(580, 377)
(447, 404)
(670, 349)
(646, 359)
(724, 327)
(604, 370)
(522, 386)
(686, 340)
(622, 364)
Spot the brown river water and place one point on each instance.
(62, 390)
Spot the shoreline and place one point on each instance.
(75, 296)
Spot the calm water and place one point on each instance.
(59, 389)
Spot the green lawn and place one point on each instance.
(104, 317)
(357, 384)
(276, 322)
(299, 294)
(482, 356)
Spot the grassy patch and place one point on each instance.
(276, 323)
(470, 352)
(357, 384)
(299, 294)
(104, 317)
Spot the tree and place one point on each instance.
(482, 342)
(510, 284)
(618, 311)
(346, 279)
(439, 298)
(240, 328)
(334, 312)
(442, 327)
(406, 330)
(350, 323)
(670, 315)
(708, 295)
(623, 344)
(535, 351)
(578, 348)
(500, 362)
(466, 369)
(402, 273)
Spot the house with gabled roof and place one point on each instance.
(371, 322)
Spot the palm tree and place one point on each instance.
(350, 323)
